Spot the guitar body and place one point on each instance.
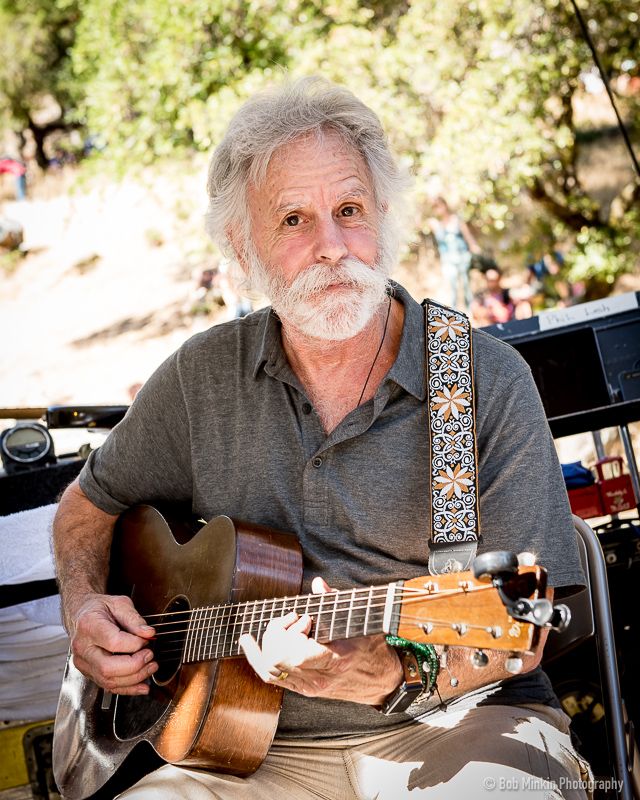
(216, 714)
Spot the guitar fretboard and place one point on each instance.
(213, 632)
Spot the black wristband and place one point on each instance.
(411, 687)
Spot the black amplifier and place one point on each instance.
(620, 541)
(585, 361)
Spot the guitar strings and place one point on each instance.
(203, 630)
(319, 599)
(230, 611)
(346, 593)
(200, 655)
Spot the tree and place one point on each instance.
(161, 77)
(37, 37)
(503, 82)
(480, 97)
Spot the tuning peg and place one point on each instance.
(561, 618)
(513, 664)
(427, 627)
(479, 659)
(497, 564)
(526, 559)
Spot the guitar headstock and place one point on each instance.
(458, 609)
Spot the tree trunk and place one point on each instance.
(39, 135)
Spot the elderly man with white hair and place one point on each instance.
(310, 416)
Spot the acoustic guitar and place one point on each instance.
(201, 588)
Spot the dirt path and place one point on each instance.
(98, 301)
(102, 296)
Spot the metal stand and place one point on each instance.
(631, 459)
(597, 443)
(607, 658)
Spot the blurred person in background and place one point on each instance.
(547, 286)
(17, 168)
(493, 303)
(456, 244)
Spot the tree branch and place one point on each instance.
(573, 219)
(624, 201)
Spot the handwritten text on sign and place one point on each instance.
(558, 318)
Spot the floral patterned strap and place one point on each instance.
(451, 407)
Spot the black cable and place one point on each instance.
(605, 80)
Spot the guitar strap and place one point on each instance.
(453, 477)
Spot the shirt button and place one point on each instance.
(306, 408)
(317, 461)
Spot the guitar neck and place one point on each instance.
(213, 632)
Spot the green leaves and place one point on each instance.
(483, 99)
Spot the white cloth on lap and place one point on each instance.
(43, 611)
(33, 643)
(25, 549)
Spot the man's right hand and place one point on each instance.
(109, 644)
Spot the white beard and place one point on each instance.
(308, 305)
(335, 314)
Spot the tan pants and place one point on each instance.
(498, 752)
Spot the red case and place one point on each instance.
(586, 502)
(616, 490)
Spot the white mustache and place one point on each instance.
(350, 272)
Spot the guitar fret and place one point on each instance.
(215, 633)
(318, 633)
(230, 636)
(253, 614)
(243, 630)
(366, 615)
(227, 630)
(261, 623)
(376, 615)
(351, 604)
(272, 614)
(187, 637)
(193, 632)
(232, 642)
(336, 600)
(207, 633)
(359, 616)
(222, 627)
(347, 621)
(202, 632)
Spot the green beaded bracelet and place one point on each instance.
(425, 654)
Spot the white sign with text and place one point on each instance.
(560, 317)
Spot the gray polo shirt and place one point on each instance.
(225, 424)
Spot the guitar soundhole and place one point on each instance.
(171, 633)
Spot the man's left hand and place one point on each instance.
(360, 670)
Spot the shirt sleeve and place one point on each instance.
(523, 500)
(146, 457)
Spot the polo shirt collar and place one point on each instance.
(408, 370)
(269, 341)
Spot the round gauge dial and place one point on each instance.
(26, 443)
